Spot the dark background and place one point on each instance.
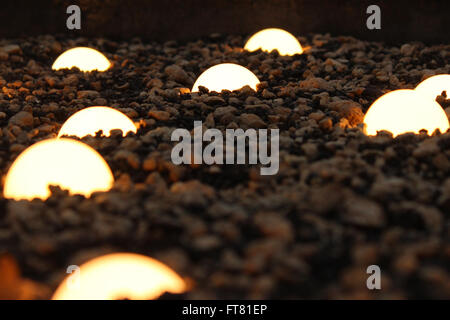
(402, 20)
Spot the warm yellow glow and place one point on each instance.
(433, 86)
(68, 163)
(226, 76)
(93, 119)
(402, 111)
(274, 39)
(85, 59)
(120, 276)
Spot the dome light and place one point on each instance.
(85, 59)
(434, 86)
(274, 39)
(120, 276)
(402, 111)
(226, 76)
(67, 163)
(90, 120)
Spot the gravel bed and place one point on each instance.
(340, 202)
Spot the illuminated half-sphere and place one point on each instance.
(274, 39)
(402, 111)
(434, 86)
(120, 276)
(85, 59)
(93, 119)
(226, 76)
(67, 163)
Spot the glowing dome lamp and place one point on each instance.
(402, 111)
(93, 119)
(120, 276)
(85, 59)
(67, 163)
(226, 76)
(274, 39)
(434, 86)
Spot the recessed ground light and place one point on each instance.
(120, 276)
(85, 59)
(226, 76)
(402, 111)
(90, 120)
(274, 39)
(67, 163)
(434, 86)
